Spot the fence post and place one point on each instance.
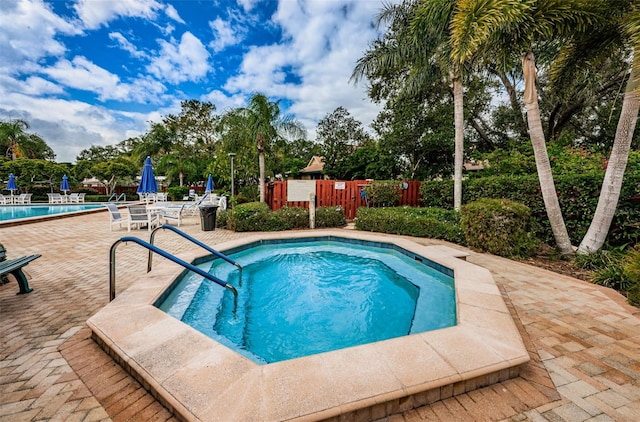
(312, 211)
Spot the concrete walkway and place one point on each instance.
(584, 340)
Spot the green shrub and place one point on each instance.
(330, 217)
(294, 217)
(221, 218)
(578, 195)
(249, 193)
(498, 226)
(632, 272)
(254, 216)
(383, 193)
(176, 193)
(436, 223)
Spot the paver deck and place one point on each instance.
(584, 340)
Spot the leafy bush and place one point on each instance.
(632, 272)
(176, 193)
(498, 226)
(383, 193)
(221, 218)
(578, 195)
(254, 216)
(436, 223)
(250, 193)
(294, 217)
(330, 217)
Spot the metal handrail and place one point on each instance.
(112, 265)
(117, 198)
(192, 239)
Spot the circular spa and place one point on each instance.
(296, 299)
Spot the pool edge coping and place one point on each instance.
(393, 378)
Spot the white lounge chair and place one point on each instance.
(23, 198)
(74, 197)
(4, 200)
(55, 198)
(169, 214)
(81, 197)
(140, 216)
(117, 217)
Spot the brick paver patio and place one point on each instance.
(584, 340)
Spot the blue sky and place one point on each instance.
(95, 72)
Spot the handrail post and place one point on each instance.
(112, 270)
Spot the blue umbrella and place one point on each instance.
(210, 184)
(11, 185)
(148, 182)
(64, 186)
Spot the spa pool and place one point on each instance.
(300, 298)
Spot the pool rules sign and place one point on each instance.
(300, 190)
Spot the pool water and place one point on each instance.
(14, 212)
(299, 299)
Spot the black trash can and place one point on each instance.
(208, 217)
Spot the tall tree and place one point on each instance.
(418, 47)
(624, 27)
(340, 135)
(265, 124)
(495, 31)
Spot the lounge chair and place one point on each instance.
(74, 197)
(172, 214)
(139, 216)
(81, 197)
(4, 200)
(116, 217)
(23, 198)
(193, 208)
(55, 198)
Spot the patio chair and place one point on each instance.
(81, 197)
(74, 197)
(3, 199)
(116, 216)
(140, 216)
(193, 208)
(23, 198)
(172, 214)
(55, 198)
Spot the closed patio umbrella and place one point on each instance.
(11, 185)
(148, 182)
(64, 186)
(210, 185)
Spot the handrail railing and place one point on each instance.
(112, 265)
(192, 239)
(117, 197)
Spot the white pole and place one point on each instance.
(312, 211)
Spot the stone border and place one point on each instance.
(200, 379)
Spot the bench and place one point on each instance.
(14, 267)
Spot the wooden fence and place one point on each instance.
(348, 198)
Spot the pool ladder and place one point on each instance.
(117, 198)
(152, 248)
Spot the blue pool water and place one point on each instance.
(14, 212)
(298, 299)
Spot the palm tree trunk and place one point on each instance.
(458, 159)
(549, 194)
(612, 183)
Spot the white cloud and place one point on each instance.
(80, 73)
(27, 32)
(223, 35)
(97, 13)
(173, 14)
(35, 85)
(127, 46)
(180, 62)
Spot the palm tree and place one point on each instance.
(13, 134)
(266, 124)
(623, 29)
(495, 30)
(419, 48)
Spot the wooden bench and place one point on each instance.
(14, 267)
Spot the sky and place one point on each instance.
(96, 72)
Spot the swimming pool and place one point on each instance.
(202, 379)
(300, 298)
(17, 212)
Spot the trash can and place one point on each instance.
(208, 217)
